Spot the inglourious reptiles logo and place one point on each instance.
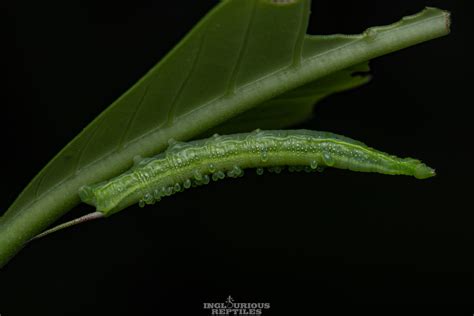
(231, 307)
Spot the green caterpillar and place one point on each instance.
(184, 165)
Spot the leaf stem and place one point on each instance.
(76, 221)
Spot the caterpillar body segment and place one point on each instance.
(184, 165)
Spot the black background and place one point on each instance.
(301, 242)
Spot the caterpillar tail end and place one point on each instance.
(422, 171)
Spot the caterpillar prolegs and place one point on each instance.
(184, 165)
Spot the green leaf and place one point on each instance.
(295, 106)
(241, 55)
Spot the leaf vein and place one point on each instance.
(232, 82)
(86, 145)
(133, 117)
(178, 94)
(300, 35)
